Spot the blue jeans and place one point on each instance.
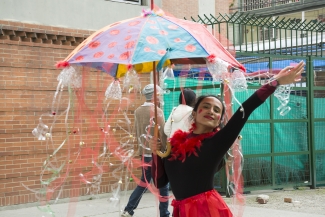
(138, 191)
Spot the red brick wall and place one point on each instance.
(222, 6)
(181, 8)
(28, 81)
(190, 8)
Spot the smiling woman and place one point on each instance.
(208, 113)
(196, 155)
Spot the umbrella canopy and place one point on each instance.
(148, 38)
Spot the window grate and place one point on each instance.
(249, 5)
(137, 2)
(268, 34)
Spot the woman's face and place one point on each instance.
(208, 113)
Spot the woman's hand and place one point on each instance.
(155, 144)
(290, 74)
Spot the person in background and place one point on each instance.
(180, 117)
(141, 125)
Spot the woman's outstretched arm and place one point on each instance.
(232, 129)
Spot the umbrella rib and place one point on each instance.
(188, 33)
(140, 32)
(164, 36)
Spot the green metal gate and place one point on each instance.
(317, 120)
(277, 149)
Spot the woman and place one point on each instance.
(195, 155)
(179, 119)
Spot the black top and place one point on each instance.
(195, 175)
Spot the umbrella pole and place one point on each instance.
(155, 90)
(156, 127)
(155, 81)
(154, 87)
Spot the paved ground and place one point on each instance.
(147, 208)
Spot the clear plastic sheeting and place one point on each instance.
(89, 140)
(238, 81)
(218, 69)
(70, 77)
(282, 93)
(114, 90)
(40, 132)
(168, 73)
(131, 82)
(234, 167)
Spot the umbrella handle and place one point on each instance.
(166, 153)
(159, 153)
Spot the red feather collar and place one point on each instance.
(186, 143)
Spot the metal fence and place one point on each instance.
(290, 150)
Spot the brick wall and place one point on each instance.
(190, 8)
(222, 7)
(181, 8)
(28, 82)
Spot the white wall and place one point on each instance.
(206, 7)
(76, 14)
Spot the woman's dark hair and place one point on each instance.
(199, 100)
(189, 97)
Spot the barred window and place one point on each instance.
(250, 5)
(268, 34)
(137, 2)
(282, 2)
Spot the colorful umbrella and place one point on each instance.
(149, 38)
(145, 39)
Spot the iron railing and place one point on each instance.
(270, 42)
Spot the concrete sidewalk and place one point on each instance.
(101, 208)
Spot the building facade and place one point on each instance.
(299, 12)
(277, 7)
